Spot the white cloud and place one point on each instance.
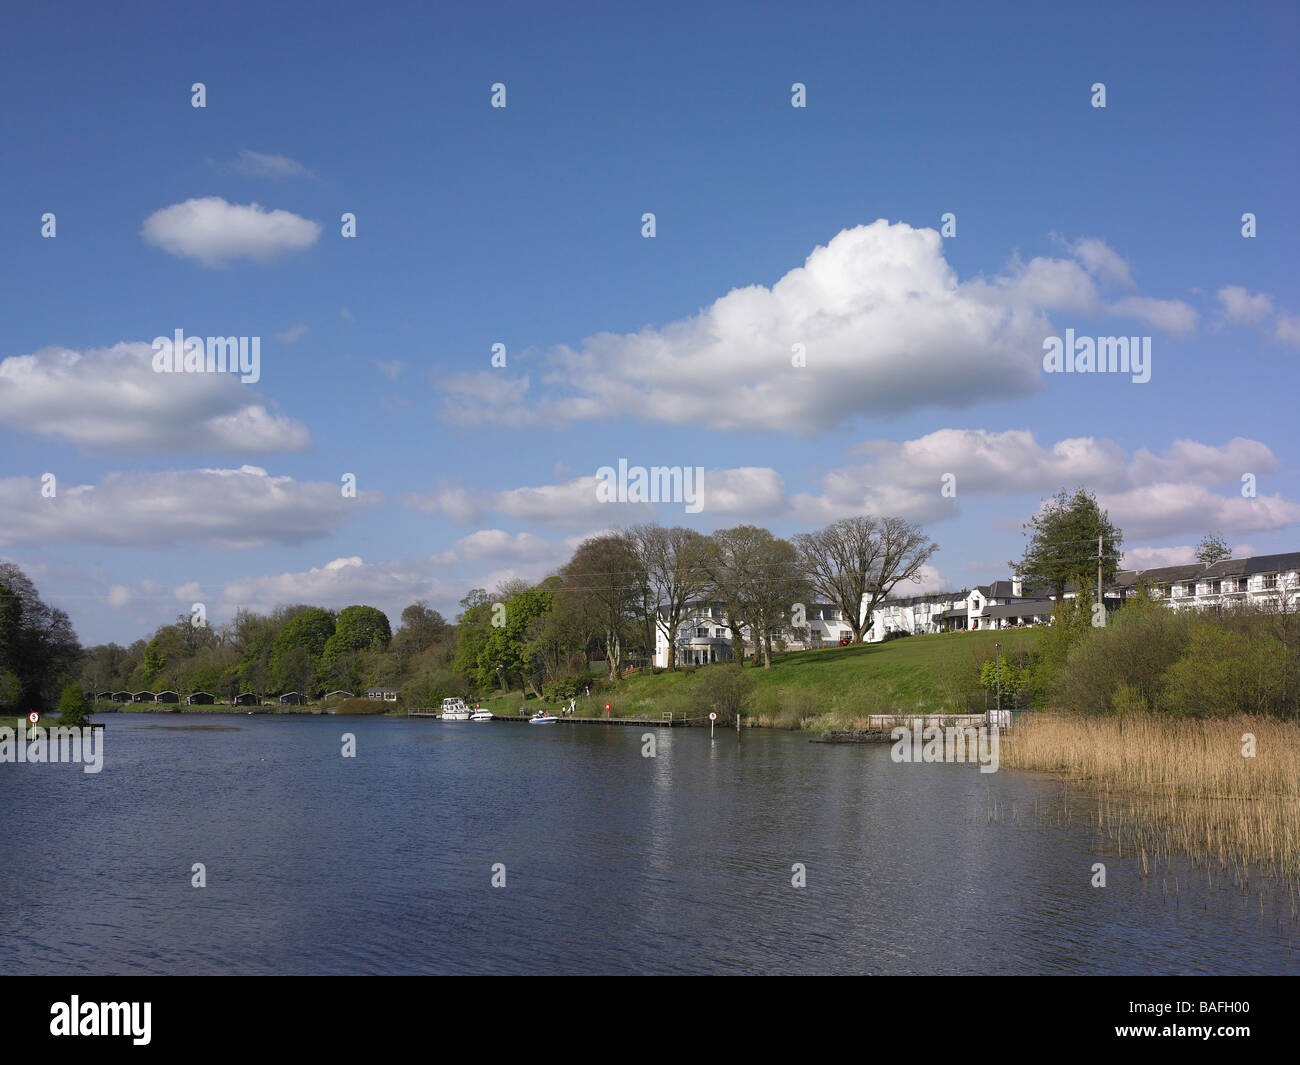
(392, 370)
(258, 164)
(880, 316)
(906, 478)
(111, 398)
(1241, 307)
(1171, 316)
(747, 490)
(1155, 557)
(1287, 329)
(215, 232)
(1100, 259)
(1158, 510)
(293, 334)
(225, 508)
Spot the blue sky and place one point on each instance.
(522, 225)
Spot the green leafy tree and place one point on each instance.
(1212, 548)
(74, 708)
(359, 628)
(1063, 546)
(504, 654)
(155, 661)
(37, 643)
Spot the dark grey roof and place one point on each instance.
(1228, 567)
(1272, 563)
(1168, 574)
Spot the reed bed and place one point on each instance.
(1175, 785)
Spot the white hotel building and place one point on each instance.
(1270, 580)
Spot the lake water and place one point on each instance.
(614, 862)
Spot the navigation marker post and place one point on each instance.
(712, 718)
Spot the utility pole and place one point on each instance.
(1101, 596)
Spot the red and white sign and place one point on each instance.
(713, 717)
(33, 717)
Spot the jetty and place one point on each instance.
(667, 719)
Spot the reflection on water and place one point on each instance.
(615, 863)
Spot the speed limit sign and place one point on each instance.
(713, 717)
(33, 717)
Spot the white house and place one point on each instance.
(704, 636)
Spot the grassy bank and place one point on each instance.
(1168, 786)
(833, 688)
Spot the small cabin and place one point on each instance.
(292, 699)
(388, 695)
(200, 699)
(248, 699)
(340, 694)
(142, 697)
(167, 697)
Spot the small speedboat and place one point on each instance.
(543, 718)
(480, 714)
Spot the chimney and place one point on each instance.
(1017, 588)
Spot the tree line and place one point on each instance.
(605, 604)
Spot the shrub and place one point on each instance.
(726, 689)
(1126, 699)
(74, 710)
(1136, 647)
(1226, 673)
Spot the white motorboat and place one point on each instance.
(543, 718)
(480, 714)
(454, 709)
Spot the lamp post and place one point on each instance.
(997, 653)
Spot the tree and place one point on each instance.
(359, 628)
(1063, 547)
(857, 561)
(310, 630)
(776, 584)
(605, 578)
(74, 709)
(421, 628)
(503, 653)
(673, 560)
(1212, 548)
(37, 643)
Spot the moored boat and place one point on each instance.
(454, 709)
(543, 718)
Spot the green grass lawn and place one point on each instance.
(836, 687)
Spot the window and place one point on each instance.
(702, 632)
(1268, 582)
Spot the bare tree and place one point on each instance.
(758, 578)
(859, 560)
(605, 580)
(673, 560)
